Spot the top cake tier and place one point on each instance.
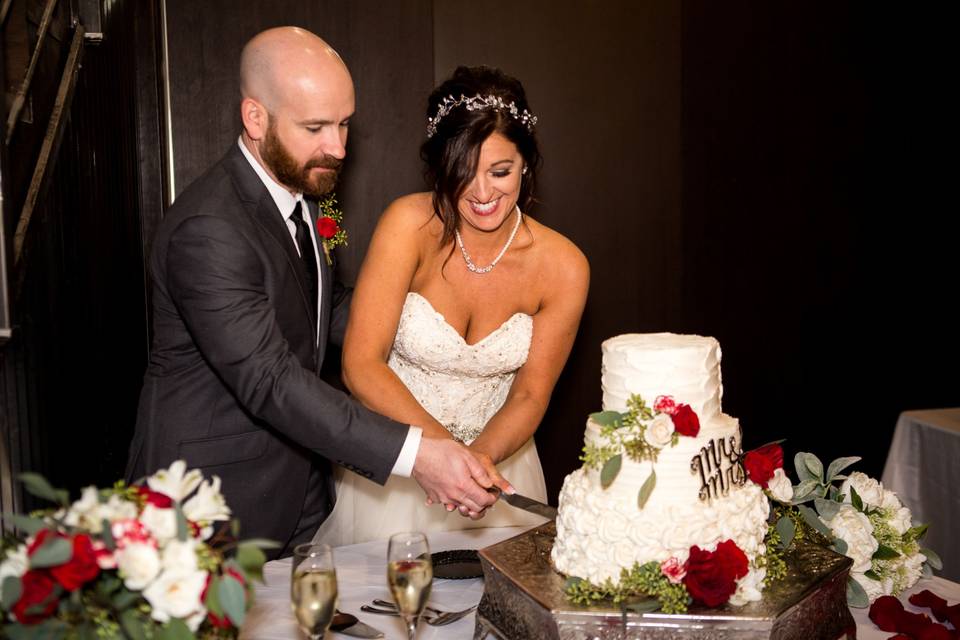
(663, 364)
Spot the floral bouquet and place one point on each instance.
(858, 518)
(129, 562)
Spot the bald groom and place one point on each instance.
(243, 309)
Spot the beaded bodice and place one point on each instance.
(461, 385)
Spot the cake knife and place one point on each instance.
(529, 504)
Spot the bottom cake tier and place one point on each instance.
(524, 598)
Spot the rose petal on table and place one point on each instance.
(884, 612)
(929, 599)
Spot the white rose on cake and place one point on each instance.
(855, 529)
(659, 432)
(779, 487)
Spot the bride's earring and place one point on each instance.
(524, 172)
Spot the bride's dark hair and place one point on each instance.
(452, 152)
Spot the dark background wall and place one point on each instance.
(773, 176)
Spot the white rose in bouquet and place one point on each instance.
(162, 523)
(180, 555)
(900, 520)
(176, 594)
(855, 530)
(139, 564)
(15, 564)
(869, 490)
(659, 432)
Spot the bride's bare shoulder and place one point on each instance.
(412, 213)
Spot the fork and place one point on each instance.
(390, 605)
(434, 619)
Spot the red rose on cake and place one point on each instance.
(685, 421)
(760, 464)
(712, 575)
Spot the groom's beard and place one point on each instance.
(299, 178)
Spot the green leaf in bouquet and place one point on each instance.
(884, 552)
(49, 629)
(11, 590)
(251, 559)
(827, 508)
(648, 486)
(805, 491)
(787, 531)
(124, 599)
(607, 418)
(176, 629)
(932, 558)
(233, 600)
(182, 529)
(134, 624)
(610, 470)
(53, 552)
(107, 535)
(235, 528)
(873, 575)
(647, 605)
(107, 584)
(926, 571)
(916, 532)
(840, 546)
(212, 599)
(85, 632)
(807, 466)
(38, 486)
(811, 518)
(261, 543)
(856, 596)
(25, 523)
(839, 465)
(856, 499)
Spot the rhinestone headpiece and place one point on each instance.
(477, 103)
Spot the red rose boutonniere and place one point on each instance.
(328, 226)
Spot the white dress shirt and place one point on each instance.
(286, 202)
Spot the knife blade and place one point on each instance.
(529, 504)
(350, 626)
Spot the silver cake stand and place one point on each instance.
(523, 599)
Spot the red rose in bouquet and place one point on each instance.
(327, 227)
(82, 566)
(685, 421)
(712, 575)
(37, 600)
(761, 463)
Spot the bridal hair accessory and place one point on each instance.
(479, 103)
(489, 267)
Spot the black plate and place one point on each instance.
(457, 564)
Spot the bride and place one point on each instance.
(465, 310)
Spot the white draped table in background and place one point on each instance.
(362, 576)
(923, 468)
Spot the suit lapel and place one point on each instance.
(265, 213)
(326, 285)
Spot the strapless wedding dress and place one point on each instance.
(462, 386)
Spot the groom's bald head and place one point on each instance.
(276, 64)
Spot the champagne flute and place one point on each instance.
(313, 588)
(409, 573)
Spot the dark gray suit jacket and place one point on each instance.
(232, 383)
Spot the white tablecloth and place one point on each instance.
(361, 576)
(923, 468)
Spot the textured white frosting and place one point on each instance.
(601, 531)
(662, 364)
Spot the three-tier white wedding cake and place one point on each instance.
(656, 480)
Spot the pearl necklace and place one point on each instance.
(489, 267)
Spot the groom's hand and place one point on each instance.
(450, 474)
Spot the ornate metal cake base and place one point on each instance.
(523, 599)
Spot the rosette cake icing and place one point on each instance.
(673, 486)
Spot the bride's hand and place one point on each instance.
(450, 474)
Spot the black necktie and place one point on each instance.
(307, 253)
